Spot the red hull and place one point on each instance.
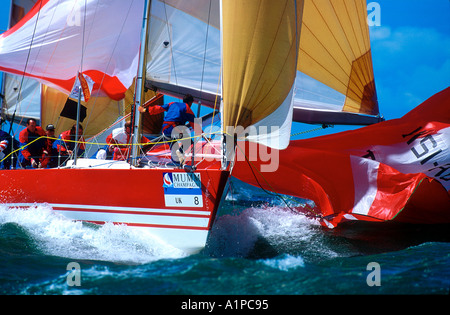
(134, 197)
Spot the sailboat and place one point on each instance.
(176, 204)
(257, 65)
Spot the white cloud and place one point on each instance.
(379, 33)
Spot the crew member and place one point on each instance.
(65, 144)
(51, 159)
(7, 144)
(176, 114)
(32, 142)
(118, 142)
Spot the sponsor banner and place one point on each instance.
(182, 190)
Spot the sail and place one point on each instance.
(102, 111)
(327, 67)
(185, 57)
(22, 98)
(335, 50)
(260, 43)
(184, 51)
(25, 95)
(21, 94)
(56, 39)
(207, 11)
(394, 170)
(335, 80)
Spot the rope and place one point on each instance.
(24, 146)
(102, 144)
(215, 101)
(312, 130)
(274, 193)
(109, 61)
(18, 102)
(204, 53)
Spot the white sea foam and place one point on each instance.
(285, 262)
(277, 230)
(59, 236)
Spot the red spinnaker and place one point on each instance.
(397, 170)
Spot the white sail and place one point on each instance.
(184, 52)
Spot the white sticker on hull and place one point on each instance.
(183, 190)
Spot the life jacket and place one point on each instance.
(34, 149)
(68, 143)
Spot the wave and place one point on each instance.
(56, 235)
(268, 232)
(259, 232)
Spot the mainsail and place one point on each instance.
(184, 49)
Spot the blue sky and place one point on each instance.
(4, 14)
(410, 49)
(411, 53)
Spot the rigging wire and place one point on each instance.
(274, 193)
(205, 49)
(82, 38)
(324, 126)
(109, 61)
(25, 69)
(80, 90)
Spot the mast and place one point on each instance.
(77, 126)
(140, 81)
(222, 126)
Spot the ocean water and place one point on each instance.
(258, 247)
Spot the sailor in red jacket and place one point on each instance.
(119, 141)
(51, 160)
(32, 140)
(65, 144)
